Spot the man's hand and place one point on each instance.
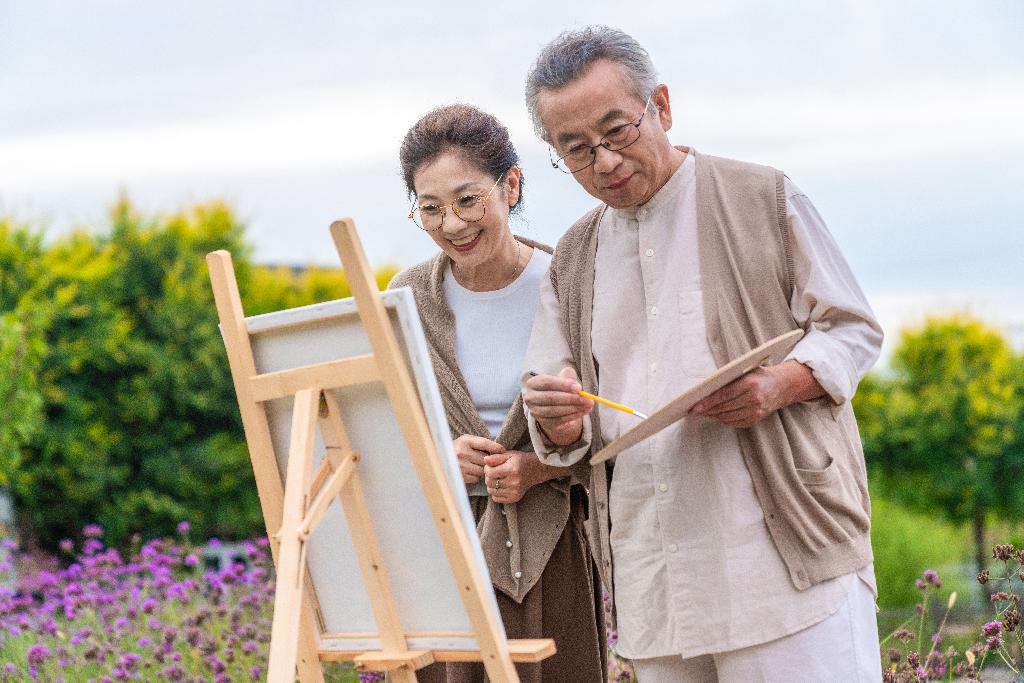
(511, 474)
(557, 408)
(759, 393)
(471, 451)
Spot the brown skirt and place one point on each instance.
(565, 604)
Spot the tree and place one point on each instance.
(139, 426)
(141, 430)
(943, 428)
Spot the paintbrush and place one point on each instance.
(604, 401)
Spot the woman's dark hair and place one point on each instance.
(463, 128)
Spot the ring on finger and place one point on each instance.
(497, 483)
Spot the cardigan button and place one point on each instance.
(508, 544)
(519, 575)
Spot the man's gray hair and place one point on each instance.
(570, 55)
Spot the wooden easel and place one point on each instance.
(293, 510)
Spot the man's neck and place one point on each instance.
(674, 160)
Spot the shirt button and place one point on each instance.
(672, 547)
(508, 544)
(519, 575)
(654, 367)
(654, 311)
(663, 487)
(649, 253)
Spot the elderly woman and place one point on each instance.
(477, 299)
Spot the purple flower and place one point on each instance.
(129, 660)
(214, 542)
(91, 546)
(993, 643)
(184, 528)
(174, 673)
(992, 628)
(37, 654)
(191, 560)
(92, 531)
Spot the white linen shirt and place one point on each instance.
(696, 570)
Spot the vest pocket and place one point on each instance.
(818, 478)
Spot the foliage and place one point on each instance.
(19, 396)
(157, 615)
(943, 431)
(140, 425)
(21, 346)
(902, 541)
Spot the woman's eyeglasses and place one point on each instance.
(470, 208)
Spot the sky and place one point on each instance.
(902, 121)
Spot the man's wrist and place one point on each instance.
(557, 443)
(797, 383)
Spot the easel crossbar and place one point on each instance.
(522, 651)
(326, 495)
(330, 375)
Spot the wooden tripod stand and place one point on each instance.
(292, 511)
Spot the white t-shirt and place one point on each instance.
(492, 331)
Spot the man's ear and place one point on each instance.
(663, 107)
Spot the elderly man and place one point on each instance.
(739, 536)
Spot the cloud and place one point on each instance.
(328, 129)
(319, 130)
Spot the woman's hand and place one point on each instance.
(471, 451)
(510, 475)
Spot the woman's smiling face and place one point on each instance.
(452, 178)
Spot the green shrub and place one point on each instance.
(905, 542)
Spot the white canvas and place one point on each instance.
(420, 577)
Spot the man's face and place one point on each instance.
(584, 111)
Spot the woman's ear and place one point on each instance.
(512, 186)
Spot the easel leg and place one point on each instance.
(288, 599)
(257, 435)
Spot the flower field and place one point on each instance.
(157, 615)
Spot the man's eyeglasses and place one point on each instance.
(470, 208)
(582, 155)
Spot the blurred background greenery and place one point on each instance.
(117, 398)
(118, 406)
